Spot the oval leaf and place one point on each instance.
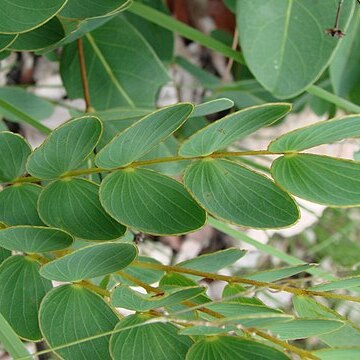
(212, 107)
(322, 132)
(239, 195)
(78, 210)
(19, 16)
(339, 284)
(154, 341)
(140, 138)
(17, 150)
(291, 43)
(236, 126)
(150, 202)
(18, 205)
(230, 348)
(84, 314)
(90, 261)
(66, 148)
(320, 179)
(21, 291)
(34, 239)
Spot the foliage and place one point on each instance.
(70, 209)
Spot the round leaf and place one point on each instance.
(90, 262)
(145, 134)
(34, 239)
(238, 195)
(78, 210)
(154, 341)
(17, 150)
(230, 348)
(150, 202)
(18, 205)
(66, 148)
(6, 40)
(236, 126)
(21, 291)
(70, 313)
(320, 179)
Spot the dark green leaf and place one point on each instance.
(150, 202)
(6, 40)
(78, 210)
(321, 179)
(21, 291)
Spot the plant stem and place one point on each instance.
(95, 288)
(238, 279)
(337, 100)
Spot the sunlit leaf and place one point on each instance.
(340, 284)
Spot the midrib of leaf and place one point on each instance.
(109, 71)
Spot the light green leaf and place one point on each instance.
(344, 68)
(70, 313)
(17, 150)
(144, 135)
(18, 16)
(322, 132)
(26, 102)
(279, 274)
(21, 291)
(290, 41)
(304, 328)
(34, 239)
(124, 297)
(204, 330)
(78, 210)
(18, 205)
(155, 341)
(338, 354)
(120, 74)
(150, 202)
(9, 339)
(43, 36)
(212, 107)
(66, 148)
(238, 195)
(341, 284)
(6, 40)
(89, 262)
(230, 348)
(236, 126)
(320, 179)
(85, 9)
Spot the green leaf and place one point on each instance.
(4, 254)
(154, 341)
(279, 274)
(70, 313)
(320, 179)
(338, 354)
(9, 339)
(230, 348)
(43, 36)
(120, 75)
(18, 16)
(18, 150)
(84, 9)
(34, 239)
(290, 41)
(89, 262)
(21, 291)
(18, 205)
(344, 69)
(204, 330)
(236, 126)
(66, 148)
(212, 107)
(322, 132)
(144, 135)
(124, 297)
(78, 210)
(341, 284)
(239, 195)
(6, 40)
(150, 202)
(304, 328)
(213, 262)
